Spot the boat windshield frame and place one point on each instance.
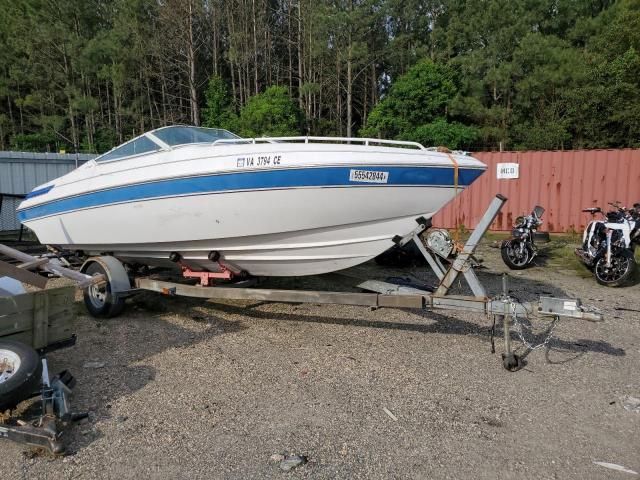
(162, 145)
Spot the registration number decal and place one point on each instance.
(259, 161)
(368, 176)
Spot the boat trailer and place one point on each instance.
(503, 307)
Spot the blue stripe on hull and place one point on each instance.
(253, 180)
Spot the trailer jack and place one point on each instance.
(45, 429)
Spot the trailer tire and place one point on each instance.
(23, 382)
(100, 300)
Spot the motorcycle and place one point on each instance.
(608, 245)
(519, 251)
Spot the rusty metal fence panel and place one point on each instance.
(562, 182)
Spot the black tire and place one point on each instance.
(619, 274)
(512, 362)
(99, 299)
(26, 381)
(510, 258)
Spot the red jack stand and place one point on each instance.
(208, 278)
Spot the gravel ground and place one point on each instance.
(191, 389)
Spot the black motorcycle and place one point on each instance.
(608, 245)
(519, 251)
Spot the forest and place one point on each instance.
(86, 75)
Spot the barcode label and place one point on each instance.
(368, 176)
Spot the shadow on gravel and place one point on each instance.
(439, 324)
(520, 287)
(95, 393)
(523, 289)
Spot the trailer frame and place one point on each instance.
(504, 308)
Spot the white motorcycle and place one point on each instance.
(608, 245)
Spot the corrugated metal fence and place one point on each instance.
(562, 182)
(20, 172)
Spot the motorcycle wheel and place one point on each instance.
(619, 273)
(513, 258)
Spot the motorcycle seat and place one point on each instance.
(592, 210)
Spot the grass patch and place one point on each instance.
(560, 255)
(557, 254)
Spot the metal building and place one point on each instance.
(20, 172)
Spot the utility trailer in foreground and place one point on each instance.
(32, 324)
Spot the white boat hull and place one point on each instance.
(290, 221)
(302, 231)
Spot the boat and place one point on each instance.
(210, 201)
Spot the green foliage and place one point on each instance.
(418, 97)
(605, 112)
(34, 142)
(416, 109)
(104, 140)
(545, 69)
(218, 113)
(440, 132)
(272, 113)
(524, 74)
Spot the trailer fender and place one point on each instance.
(116, 273)
(106, 300)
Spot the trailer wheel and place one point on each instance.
(100, 300)
(512, 362)
(20, 373)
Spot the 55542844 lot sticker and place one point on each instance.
(368, 176)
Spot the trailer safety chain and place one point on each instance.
(517, 324)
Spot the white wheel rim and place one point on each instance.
(9, 364)
(98, 295)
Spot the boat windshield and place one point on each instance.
(166, 137)
(133, 147)
(181, 135)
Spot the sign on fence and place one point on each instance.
(508, 170)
